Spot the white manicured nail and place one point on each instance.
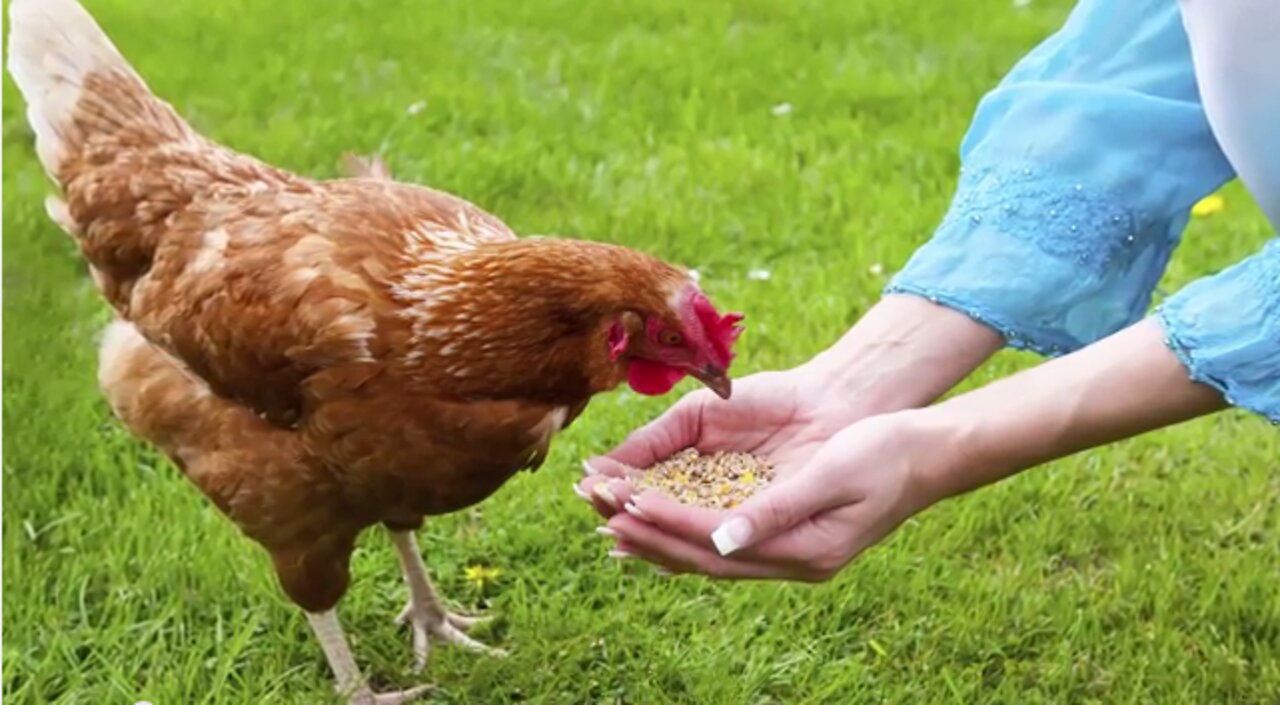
(620, 554)
(588, 469)
(582, 494)
(636, 512)
(602, 491)
(607, 532)
(731, 535)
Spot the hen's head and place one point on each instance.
(554, 318)
(684, 337)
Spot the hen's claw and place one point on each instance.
(463, 622)
(429, 625)
(397, 697)
(466, 621)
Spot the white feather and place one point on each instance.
(54, 45)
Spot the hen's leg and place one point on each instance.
(426, 612)
(350, 682)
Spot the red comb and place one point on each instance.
(722, 331)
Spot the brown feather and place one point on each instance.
(321, 356)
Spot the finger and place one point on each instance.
(598, 500)
(677, 428)
(647, 542)
(604, 465)
(695, 525)
(776, 509)
(689, 523)
(607, 494)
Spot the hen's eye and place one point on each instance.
(670, 337)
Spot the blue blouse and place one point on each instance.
(1079, 172)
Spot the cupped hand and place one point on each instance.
(784, 416)
(833, 498)
(804, 526)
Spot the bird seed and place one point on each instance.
(719, 480)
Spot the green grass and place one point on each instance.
(1141, 573)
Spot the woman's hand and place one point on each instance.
(903, 353)
(835, 499)
(784, 416)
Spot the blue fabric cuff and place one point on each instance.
(1226, 330)
(1051, 263)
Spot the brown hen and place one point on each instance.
(322, 356)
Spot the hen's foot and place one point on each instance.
(430, 622)
(463, 622)
(426, 612)
(350, 682)
(398, 697)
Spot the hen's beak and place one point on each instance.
(716, 379)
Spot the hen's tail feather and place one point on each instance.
(77, 85)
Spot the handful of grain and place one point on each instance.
(720, 480)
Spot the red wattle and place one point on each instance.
(652, 378)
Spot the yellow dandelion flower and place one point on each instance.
(480, 575)
(1208, 206)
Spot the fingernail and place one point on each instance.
(582, 495)
(621, 554)
(588, 469)
(635, 511)
(602, 491)
(606, 531)
(731, 535)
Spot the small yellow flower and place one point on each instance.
(480, 575)
(1208, 206)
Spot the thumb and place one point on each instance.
(773, 511)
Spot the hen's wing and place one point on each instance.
(413, 454)
(257, 293)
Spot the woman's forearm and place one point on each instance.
(1120, 387)
(904, 353)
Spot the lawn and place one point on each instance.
(1142, 573)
